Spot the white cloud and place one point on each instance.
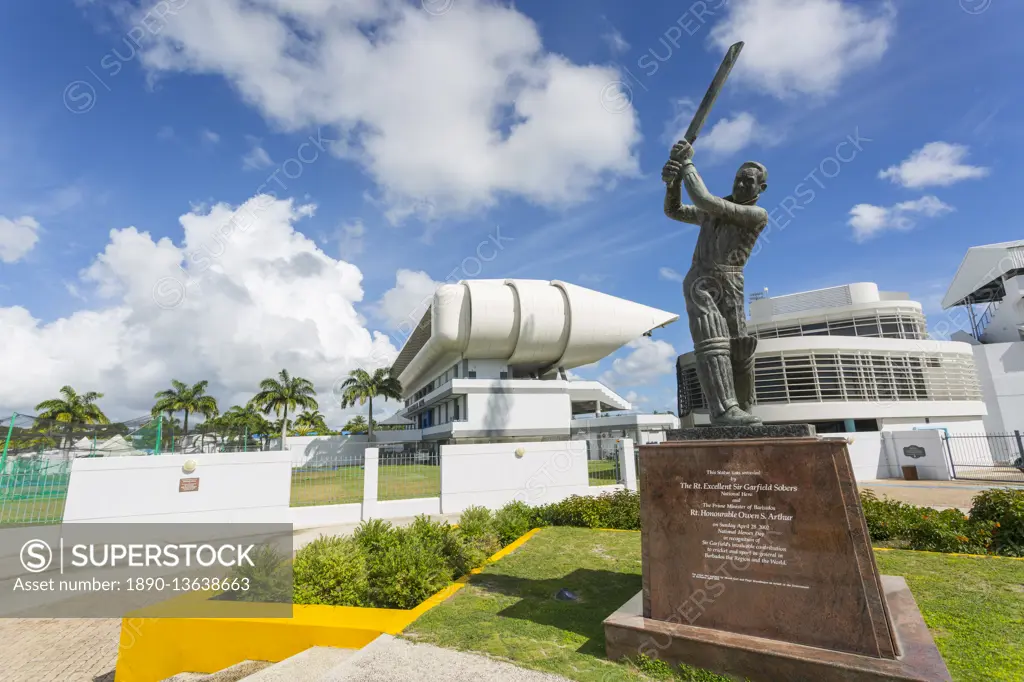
(868, 220)
(258, 297)
(636, 399)
(616, 43)
(402, 306)
(208, 136)
(726, 137)
(257, 157)
(445, 113)
(17, 237)
(803, 46)
(350, 238)
(670, 275)
(649, 360)
(936, 163)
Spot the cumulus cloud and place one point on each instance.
(240, 296)
(803, 46)
(726, 137)
(935, 164)
(17, 237)
(670, 275)
(867, 220)
(445, 113)
(648, 360)
(402, 306)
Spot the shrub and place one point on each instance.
(512, 521)
(949, 531)
(576, 510)
(269, 578)
(888, 519)
(461, 551)
(375, 535)
(623, 510)
(1005, 510)
(331, 570)
(476, 522)
(404, 573)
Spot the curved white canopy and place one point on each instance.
(536, 325)
(978, 279)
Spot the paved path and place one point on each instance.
(388, 659)
(59, 650)
(937, 494)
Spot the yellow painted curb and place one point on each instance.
(154, 648)
(972, 556)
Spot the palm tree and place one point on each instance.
(73, 408)
(283, 394)
(313, 421)
(356, 424)
(188, 399)
(362, 387)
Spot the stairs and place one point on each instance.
(310, 665)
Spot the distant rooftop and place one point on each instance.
(765, 307)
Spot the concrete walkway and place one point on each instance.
(388, 659)
(306, 536)
(936, 494)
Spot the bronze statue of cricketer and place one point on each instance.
(729, 228)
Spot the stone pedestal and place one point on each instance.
(757, 563)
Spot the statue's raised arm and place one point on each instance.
(737, 209)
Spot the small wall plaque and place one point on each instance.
(188, 485)
(914, 451)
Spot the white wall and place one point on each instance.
(251, 487)
(517, 411)
(491, 474)
(964, 425)
(1001, 371)
(486, 369)
(870, 460)
(934, 466)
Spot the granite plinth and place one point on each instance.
(628, 633)
(740, 432)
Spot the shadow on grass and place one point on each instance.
(599, 594)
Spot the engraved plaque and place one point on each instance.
(763, 538)
(188, 485)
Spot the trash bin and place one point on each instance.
(910, 473)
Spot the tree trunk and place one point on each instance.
(184, 437)
(369, 426)
(284, 426)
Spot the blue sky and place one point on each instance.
(540, 127)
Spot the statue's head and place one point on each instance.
(751, 180)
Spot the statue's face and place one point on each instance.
(747, 185)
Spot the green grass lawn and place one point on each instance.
(974, 607)
(602, 471)
(345, 485)
(34, 511)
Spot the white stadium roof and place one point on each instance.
(536, 325)
(979, 277)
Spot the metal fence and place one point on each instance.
(33, 489)
(604, 461)
(987, 456)
(408, 470)
(329, 477)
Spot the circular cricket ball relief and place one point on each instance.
(189, 466)
(520, 452)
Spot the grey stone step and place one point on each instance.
(234, 673)
(309, 665)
